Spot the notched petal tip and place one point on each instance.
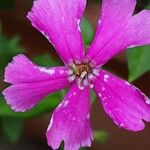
(69, 124)
(124, 103)
(9, 67)
(17, 68)
(9, 103)
(31, 83)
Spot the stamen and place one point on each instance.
(95, 72)
(86, 60)
(91, 86)
(70, 63)
(90, 76)
(77, 61)
(70, 72)
(83, 74)
(147, 100)
(92, 64)
(72, 78)
(85, 82)
(80, 85)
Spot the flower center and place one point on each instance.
(83, 74)
(82, 70)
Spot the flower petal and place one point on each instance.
(70, 121)
(119, 30)
(31, 83)
(59, 21)
(123, 102)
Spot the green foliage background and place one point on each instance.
(11, 122)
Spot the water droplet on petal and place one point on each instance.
(122, 125)
(74, 93)
(103, 88)
(148, 101)
(88, 116)
(50, 125)
(72, 78)
(100, 95)
(91, 86)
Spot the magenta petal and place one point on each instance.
(31, 83)
(59, 21)
(119, 30)
(124, 103)
(70, 121)
(137, 31)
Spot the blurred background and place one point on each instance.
(21, 131)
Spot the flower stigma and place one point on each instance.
(83, 74)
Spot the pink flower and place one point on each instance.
(117, 30)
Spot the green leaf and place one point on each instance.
(12, 128)
(101, 136)
(87, 31)
(138, 62)
(93, 96)
(8, 48)
(7, 4)
(148, 6)
(46, 105)
(84, 148)
(46, 60)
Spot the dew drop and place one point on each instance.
(99, 21)
(50, 125)
(122, 125)
(88, 116)
(78, 23)
(99, 94)
(91, 86)
(74, 93)
(103, 88)
(148, 101)
(65, 103)
(61, 71)
(49, 71)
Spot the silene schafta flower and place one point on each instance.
(59, 20)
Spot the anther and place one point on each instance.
(70, 72)
(90, 76)
(85, 82)
(91, 86)
(95, 72)
(72, 78)
(80, 85)
(83, 74)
